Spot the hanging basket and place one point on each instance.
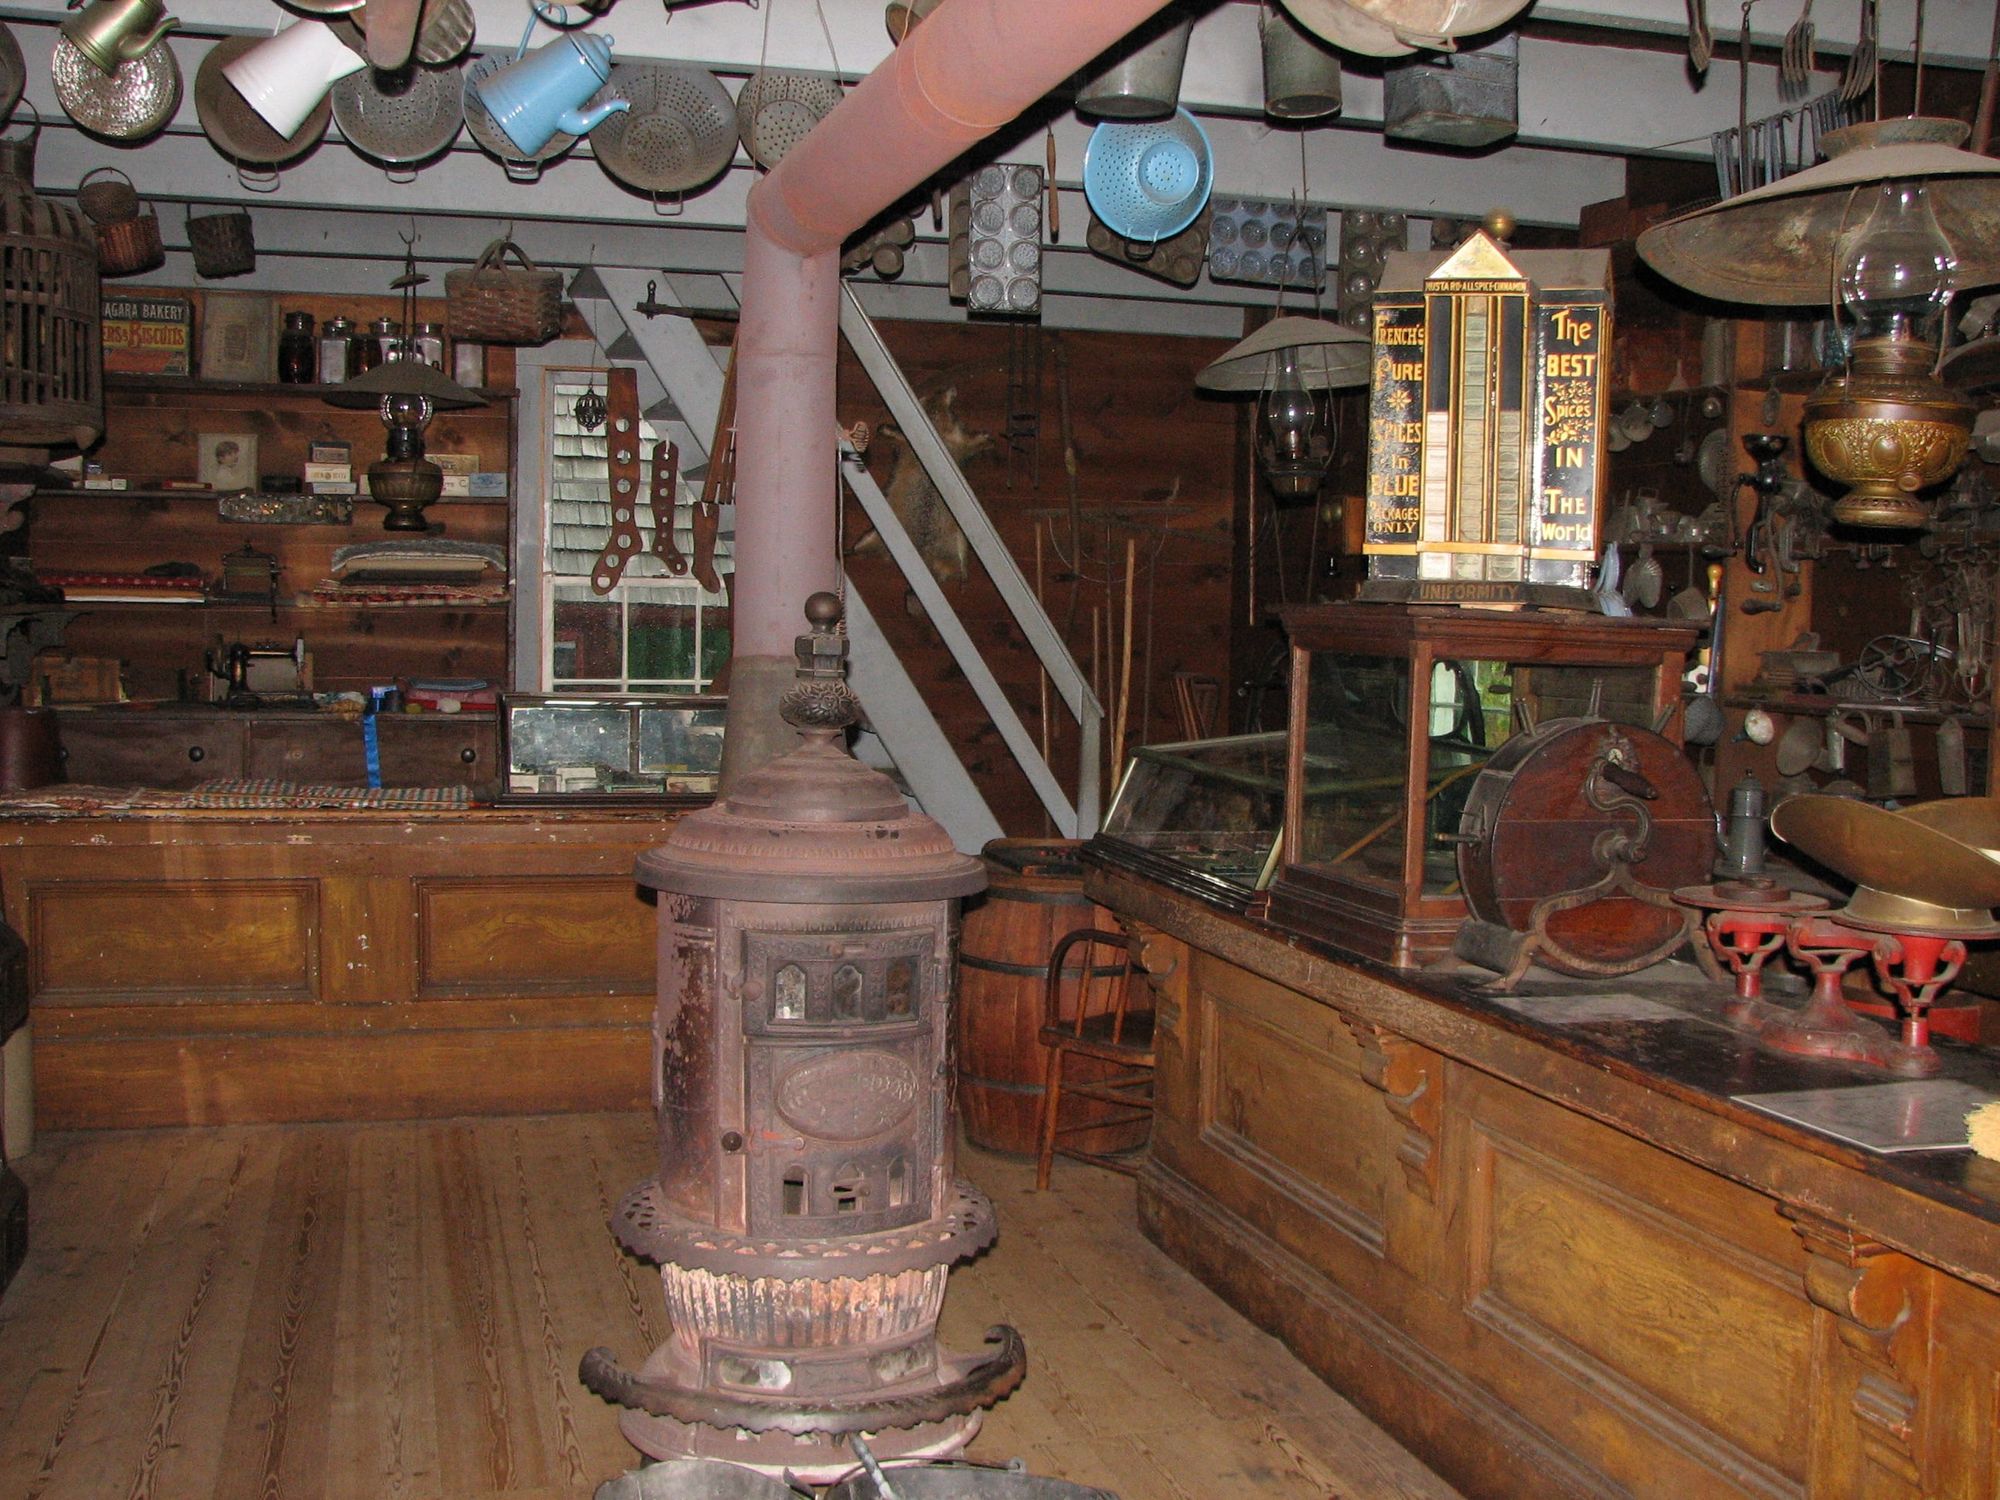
(224, 244)
(492, 302)
(111, 201)
(128, 248)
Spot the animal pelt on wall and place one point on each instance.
(916, 500)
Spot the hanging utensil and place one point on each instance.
(1795, 56)
(444, 31)
(128, 104)
(1648, 579)
(1860, 75)
(679, 134)
(1701, 41)
(666, 492)
(390, 27)
(400, 129)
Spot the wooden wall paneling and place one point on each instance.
(1283, 1101)
(1149, 449)
(245, 968)
(366, 941)
(493, 936)
(172, 940)
(1607, 1305)
(1637, 1289)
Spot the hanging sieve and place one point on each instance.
(777, 107)
(444, 31)
(1148, 180)
(491, 138)
(126, 105)
(13, 72)
(400, 130)
(679, 133)
(237, 130)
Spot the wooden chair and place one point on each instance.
(1087, 1012)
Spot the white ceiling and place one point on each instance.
(1584, 107)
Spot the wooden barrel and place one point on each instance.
(1034, 895)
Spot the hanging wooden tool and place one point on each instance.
(666, 491)
(717, 485)
(391, 30)
(621, 456)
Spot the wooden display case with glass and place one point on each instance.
(610, 750)
(1202, 816)
(1394, 712)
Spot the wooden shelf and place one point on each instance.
(1825, 708)
(209, 497)
(283, 606)
(194, 385)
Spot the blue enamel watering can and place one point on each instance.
(543, 92)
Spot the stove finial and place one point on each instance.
(820, 705)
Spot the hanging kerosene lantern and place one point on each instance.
(1895, 219)
(52, 364)
(1293, 362)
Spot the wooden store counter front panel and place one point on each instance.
(1557, 1260)
(203, 967)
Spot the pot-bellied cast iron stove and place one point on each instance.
(805, 1209)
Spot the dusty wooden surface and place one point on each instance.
(398, 1310)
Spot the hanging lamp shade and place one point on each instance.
(1774, 246)
(402, 377)
(1330, 357)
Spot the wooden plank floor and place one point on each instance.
(375, 1311)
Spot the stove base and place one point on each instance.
(817, 1458)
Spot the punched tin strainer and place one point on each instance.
(233, 127)
(1148, 180)
(398, 129)
(136, 100)
(489, 136)
(777, 107)
(680, 131)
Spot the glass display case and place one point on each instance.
(573, 750)
(1395, 709)
(1202, 816)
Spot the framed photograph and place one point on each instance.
(239, 336)
(227, 460)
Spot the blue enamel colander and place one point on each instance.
(1148, 179)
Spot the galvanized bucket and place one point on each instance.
(1143, 81)
(1301, 76)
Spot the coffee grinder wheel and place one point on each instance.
(1572, 842)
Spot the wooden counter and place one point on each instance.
(206, 967)
(1558, 1260)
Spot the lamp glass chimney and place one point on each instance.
(1897, 270)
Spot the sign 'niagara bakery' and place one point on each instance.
(1486, 414)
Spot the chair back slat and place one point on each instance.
(1099, 989)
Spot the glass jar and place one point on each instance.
(468, 364)
(385, 335)
(427, 344)
(339, 351)
(298, 350)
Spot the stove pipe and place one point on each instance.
(805, 1210)
(969, 69)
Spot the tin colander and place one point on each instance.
(491, 138)
(400, 129)
(777, 107)
(680, 131)
(1148, 179)
(233, 127)
(132, 102)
